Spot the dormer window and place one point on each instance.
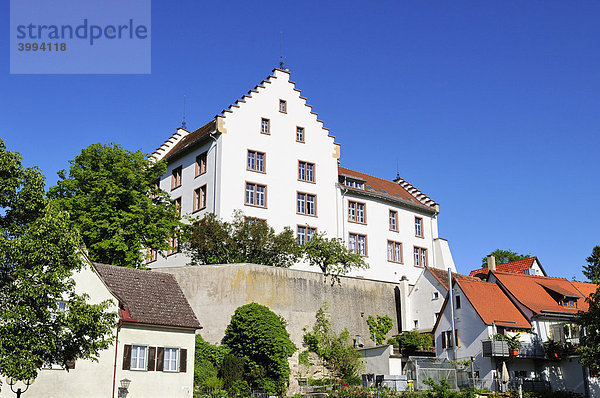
(568, 302)
(354, 183)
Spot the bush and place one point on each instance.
(259, 336)
(411, 341)
(231, 371)
(208, 360)
(335, 351)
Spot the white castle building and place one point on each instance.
(269, 156)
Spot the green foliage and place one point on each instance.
(231, 371)
(379, 328)
(336, 352)
(303, 358)
(39, 252)
(411, 341)
(514, 343)
(504, 256)
(259, 336)
(589, 345)
(213, 241)
(110, 195)
(331, 256)
(441, 390)
(208, 361)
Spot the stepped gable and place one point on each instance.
(148, 297)
(415, 192)
(517, 267)
(262, 86)
(442, 276)
(541, 293)
(381, 187)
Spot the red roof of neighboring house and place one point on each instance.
(517, 267)
(492, 305)
(442, 276)
(541, 293)
(382, 187)
(585, 288)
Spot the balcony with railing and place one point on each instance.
(500, 348)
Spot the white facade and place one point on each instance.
(266, 122)
(424, 303)
(95, 379)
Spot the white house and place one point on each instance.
(154, 341)
(426, 297)
(534, 308)
(269, 156)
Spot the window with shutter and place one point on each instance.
(160, 358)
(126, 356)
(182, 360)
(151, 358)
(443, 339)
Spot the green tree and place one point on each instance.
(208, 359)
(589, 347)
(379, 328)
(410, 341)
(259, 336)
(331, 256)
(336, 352)
(39, 252)
(504, 256)
(111, 195)
(213, 241)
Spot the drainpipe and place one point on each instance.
(215, 176)
(451, 299)
(344, 192)
(115, 364)
(432, 241)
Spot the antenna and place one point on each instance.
(183, 125)
(281, 58)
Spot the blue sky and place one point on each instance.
(491, 108)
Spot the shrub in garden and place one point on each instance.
(259, 337)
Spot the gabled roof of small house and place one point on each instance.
(542, 293)
(442, 276)
(517, 267)
(492, 305)
(148, 297)
(375, 186)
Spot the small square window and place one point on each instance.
(300, 134)
(436, 295)
(282, 106)
(265, 126)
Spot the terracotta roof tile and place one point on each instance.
(382, 187)
(536, 292)
(492, 305)
(518, 267)
(442, 276)
(148, 297)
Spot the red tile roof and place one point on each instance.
(381, 187)
(492, 305)
(585, 288)
(148, 297)
(536, 292)
(442, 276)
(517, 267)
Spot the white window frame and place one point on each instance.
(176, 360)
(135, 348)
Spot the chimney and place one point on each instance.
(491, 263)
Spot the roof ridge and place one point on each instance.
(532, 276)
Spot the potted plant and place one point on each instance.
(513, 344)
(553, 349)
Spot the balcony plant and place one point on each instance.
(553, 349)
(513, 344)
